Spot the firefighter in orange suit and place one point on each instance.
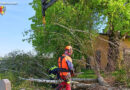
(66, 69)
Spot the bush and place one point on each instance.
(19, 64)
(121, 77)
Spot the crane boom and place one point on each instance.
(46, 5)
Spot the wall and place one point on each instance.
(101, 44)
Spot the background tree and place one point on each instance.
(63, 27)
(72, 22)
(118, 17)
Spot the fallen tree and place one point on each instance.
(57, 81)
(85, 80)
(75, 84)
(99, 80)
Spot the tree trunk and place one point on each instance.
(113, 50)
(56, 81)
(74, 84)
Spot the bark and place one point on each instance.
(102, 82)
(113, 51)
(85, 80)
(75, 84)
(73, 79)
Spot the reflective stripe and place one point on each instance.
(52, 68)
(52, 76)
(68, 82)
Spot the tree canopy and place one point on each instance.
(75, 23)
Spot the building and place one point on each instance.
(101, 48)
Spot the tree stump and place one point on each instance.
(5, 84)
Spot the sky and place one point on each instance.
(13, 24)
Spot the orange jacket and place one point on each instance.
(63, 64)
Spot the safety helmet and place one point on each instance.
(69, 48)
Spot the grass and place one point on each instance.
(87, 74)
(122, 77)
(17, 84)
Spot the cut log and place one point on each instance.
(85, 80)
(74, 83)
(76, 79)
(102, 82)
(42, 80)
(77, 85)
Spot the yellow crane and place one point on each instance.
(45, 5)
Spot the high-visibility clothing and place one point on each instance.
(54, 72)
(63, 64)
(69, 48)
(2, 10)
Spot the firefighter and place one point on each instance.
(66, 69)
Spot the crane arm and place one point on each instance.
(46, 5)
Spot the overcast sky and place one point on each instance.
(13, 24)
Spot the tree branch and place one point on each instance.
(77, 84)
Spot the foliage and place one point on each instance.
(19, 64)
(24, 64)
(52, 38)
(87, 74)
(74, 22)
(121, 77)
(63, 28)
(0, 58)
(116, 15)
(116, 12)
(17, 84)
